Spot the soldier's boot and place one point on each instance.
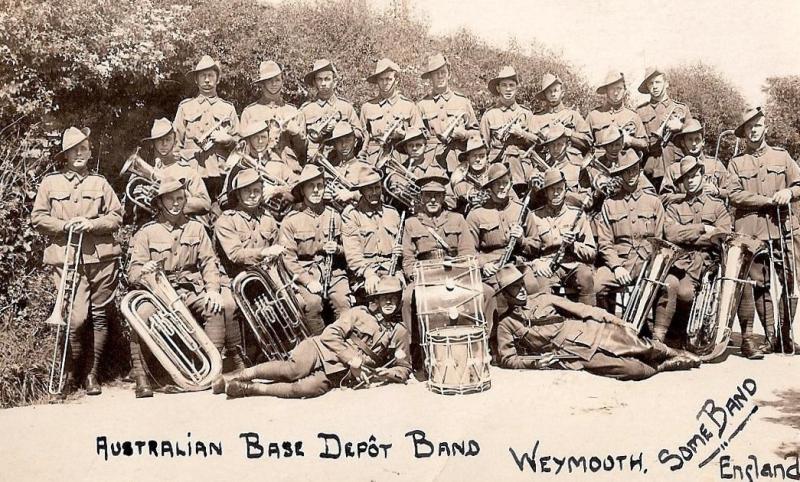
(143, 389)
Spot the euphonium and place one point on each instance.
(400, 184)
(651, 279)
(714, 308)
(143, 183)
(171, 333)
(62, 311)
(265, 295)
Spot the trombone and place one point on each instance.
(61, 315)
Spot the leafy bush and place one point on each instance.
(783, 113)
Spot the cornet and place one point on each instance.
(143, 183)
(504, 131)
(62, 311)
(447, 135)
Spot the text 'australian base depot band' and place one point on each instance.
(321, 247)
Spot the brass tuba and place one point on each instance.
(143, 178)
(62, 311)
(172, 334)
(651, 279)
(266, 297)
(714, 308)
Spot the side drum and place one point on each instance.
(458, 361)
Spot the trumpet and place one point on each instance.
(479, 196)
(205, 141)
(324, 121)
(447, 135)
(143, 183)
(244, 161)
(334, 181)
(61, 315)
(265, 296)
(504, 131)
(398, 240)
(172, 333)
(400, 184)
(662, 132)
(387, 135)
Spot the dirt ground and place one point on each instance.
(568, 413)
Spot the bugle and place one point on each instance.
(171, 333)
(61, 316)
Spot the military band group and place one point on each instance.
(557, 220)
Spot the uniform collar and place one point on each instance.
(270, 100)
(203, 99)
(613, 110)
(163, 221)
(72, 175)
(310, 212)
(637, 191)
(446, 95)
(329, 101)
(512, 107)
(760, 150)
(663, 101)
(391, 100)
(427, 219)
(550, 211)
(368, 211)
(554, 109)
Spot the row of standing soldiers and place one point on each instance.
(579, 198)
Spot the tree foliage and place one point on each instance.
(783, 112)
(712, 99)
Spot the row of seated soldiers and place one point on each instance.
(602, 249)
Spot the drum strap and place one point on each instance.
(547, 320)
(438, 238)
(363, 346)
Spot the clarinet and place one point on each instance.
(521, 220)
(327, 267)
(562, 250)
(397, 241)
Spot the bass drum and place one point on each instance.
(459, 360)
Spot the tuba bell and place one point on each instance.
(172, 334)
(651, 279)
(714, 308)
(265, 295)
(143, 183)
